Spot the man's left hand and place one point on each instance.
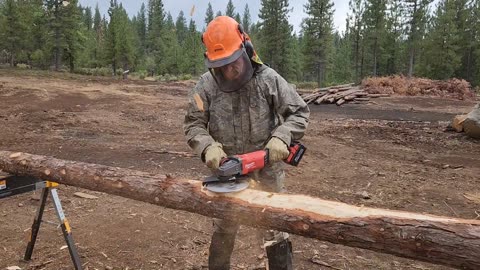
(277, 150)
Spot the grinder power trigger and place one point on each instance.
(231, 176)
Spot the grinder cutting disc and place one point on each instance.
(212, 184)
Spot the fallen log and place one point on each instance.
(362, 99)
(442, 240)
(378, 95)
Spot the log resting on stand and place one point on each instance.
(442, 240)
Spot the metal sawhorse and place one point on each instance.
(13, 185)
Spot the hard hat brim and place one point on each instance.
(223, 61)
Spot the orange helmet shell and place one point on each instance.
(223, 41)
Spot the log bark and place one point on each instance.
(340, 101)
(442, 240)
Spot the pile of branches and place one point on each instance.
(340, 94)
(401, 85)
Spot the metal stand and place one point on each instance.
(24, 184)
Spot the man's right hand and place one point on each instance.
(213, 155)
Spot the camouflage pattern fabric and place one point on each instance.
(243, 121)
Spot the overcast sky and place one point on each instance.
(174, 6)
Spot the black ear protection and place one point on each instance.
(247, 44)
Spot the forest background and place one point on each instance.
(419, 38)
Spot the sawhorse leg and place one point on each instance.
(67, 234)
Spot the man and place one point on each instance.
(241, 106)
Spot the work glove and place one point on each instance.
(277, 150)
(213, 155)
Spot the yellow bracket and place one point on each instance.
(50, 184)
(67, 226)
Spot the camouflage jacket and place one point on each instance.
(244, 120)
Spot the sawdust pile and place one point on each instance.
(401, 85)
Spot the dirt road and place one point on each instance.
(396, 150)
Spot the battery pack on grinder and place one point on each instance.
(296, 153)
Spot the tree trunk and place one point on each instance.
(57, 41)
(442, 240)
(411, 61)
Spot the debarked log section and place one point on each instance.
(442, 240)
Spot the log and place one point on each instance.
(378, 95)
(362, 99)
(313, 97)
(442, 240)
(340, 102)
(457, 122)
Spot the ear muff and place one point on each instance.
(247, 44)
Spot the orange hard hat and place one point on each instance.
(224, 40)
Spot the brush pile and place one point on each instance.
(389, 86)
(403, 86)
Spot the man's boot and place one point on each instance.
(220, 251)
(280, 255)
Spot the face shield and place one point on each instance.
(232, 73)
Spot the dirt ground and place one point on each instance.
(395, 149)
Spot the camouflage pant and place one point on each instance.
(269, 179)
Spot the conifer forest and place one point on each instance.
(382, 37)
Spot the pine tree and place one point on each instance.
(173, 52)
(99, 31)
(275, 34)
(374, 18)
(193, 51)
(442, 58)
(393, 46)
(238, 18)
(355, 28)
(86, 53)
(464, 41)
(317, 32)
(15, 29)
(112, 36)
(97, 19)
(119, 38)
(209, 14)
(125, 49)
(181, 27)
(474, 21)
(341, 73)
(296, 67)
(35, 40)
(155, 45)
(219, 13)
(247, 19)
(64, 27)
(417, 18)
(230, 9)
(141, 27)
(87, 18)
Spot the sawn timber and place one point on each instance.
(441, 240)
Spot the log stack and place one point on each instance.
(339, 95)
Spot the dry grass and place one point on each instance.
(400, 85)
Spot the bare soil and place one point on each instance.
(396, 149)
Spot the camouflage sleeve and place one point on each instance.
(196, 119)
(291, 109)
